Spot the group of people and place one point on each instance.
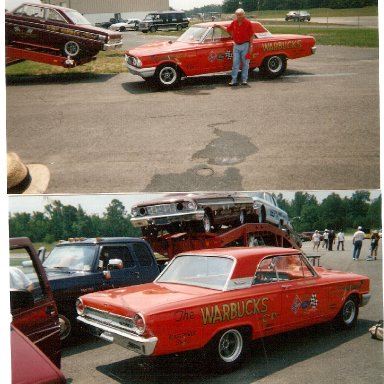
(329, 238)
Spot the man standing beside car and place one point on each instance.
(241, 32)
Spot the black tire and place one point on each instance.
(347, 317)
(274, 66)
(71, 49)
(152, 29)
(65, 327)
(168, 75)
(228, 349)
(122, 29)
(179, 27)
(205, 225)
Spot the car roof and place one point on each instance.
(247, 258)
(47, 6)
(99, 240)
(256, 26)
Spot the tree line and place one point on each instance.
(229, 6)
(334, 212)
(60, 221)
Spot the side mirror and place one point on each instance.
(115, 264)
(21, 299)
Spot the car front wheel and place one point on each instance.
(274, 66)
(168, 75)
(71, 48)
(65, 327)
(347, 317)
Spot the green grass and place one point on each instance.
(351, 37)
(320, 12)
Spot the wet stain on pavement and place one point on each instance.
(227, 149)
(199, 178)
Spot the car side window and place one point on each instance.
(220, 35)
(23, 275)
(290, 267)
(53, 15)
(33, 11)
(116, 252)
(143, 254)
(266, 272)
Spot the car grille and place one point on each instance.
(107, 318)
(161, 209)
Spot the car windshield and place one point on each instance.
(72, 257)
(77, 18)
(193, 34)
(202, 271)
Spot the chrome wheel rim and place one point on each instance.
(230, 346)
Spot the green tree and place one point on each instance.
(332, 212)
(357, 209)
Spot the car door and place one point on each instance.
(215, 52)
(33, 308)
(304, 298)
(128, 274)
(145, 260)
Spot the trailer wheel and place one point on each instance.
(71, 48)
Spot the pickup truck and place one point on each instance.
(79, 266)
(33, 307)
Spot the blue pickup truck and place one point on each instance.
(80, 266)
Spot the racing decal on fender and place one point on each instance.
(277, 45)
(229, 54)
(235, 310)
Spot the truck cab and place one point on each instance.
(80, 266)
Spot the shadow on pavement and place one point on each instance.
(266, 357)
(56, 78)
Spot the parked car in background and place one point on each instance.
(267, 210)
(79, 266)
(219, 300)
(33, 307)
(307, 236)
(164, 20)
(205, 48)
(127, 25)
(56, 30)
(298, 16)
(199, 212)
(29, 365)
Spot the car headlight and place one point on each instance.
(79, 307)
(139, 323)
(134, 212)
(103, 38)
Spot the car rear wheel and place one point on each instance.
(71, 48)
(347, 317)
(262, 215)
(179, 27)
(122, 29)
(168, 75)
(228, 349)
(152, 29)
(274, 66)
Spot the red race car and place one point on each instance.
(205, 48)
(219, 300)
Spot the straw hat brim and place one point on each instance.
(39, 179)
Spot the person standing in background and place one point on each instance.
(340, 240)
(357, 242)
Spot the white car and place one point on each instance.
(267, 210)
(130, 24)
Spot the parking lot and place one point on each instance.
(317, 127)
(317, 354)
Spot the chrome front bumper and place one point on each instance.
(314, 49)
(365, 297)
(143, 72)
(110, 46)
(138, 344)
(167, 219)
